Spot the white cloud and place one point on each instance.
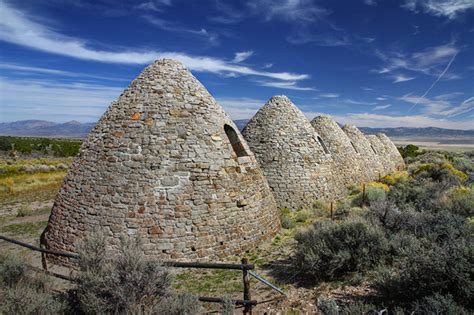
(382, 107)
(381, 98)
(355, 102)
(53, 100)
(298, 11)
(446, 8)
(240, 107)
(243, 55)
(175, 27)
(430, 61)
(385, 121)
(401, 78)
(324, 40)
(28, 69)
(19, 29)
(288, 85)
(440, 106)
(329, 95)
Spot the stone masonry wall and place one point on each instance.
(347, 168)
(393, 153)
(290, 155)
(165, 162)
(382, 154)
(371, 167)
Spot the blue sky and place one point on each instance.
(377, 63)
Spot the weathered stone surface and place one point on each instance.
(382, 154)
(347, 163)
(290, 155)
(165, 162)
(393, 154)
(371, 166)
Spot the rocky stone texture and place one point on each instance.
(382, 154)
(371, 167)
(165, 162)
(393, 154)
(290, 155)
(347, 163)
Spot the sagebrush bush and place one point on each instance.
(328, 250)
(12, 269)
(22, 292)
(438, 304)
(128, 282)
(426, 268)
(373, 194)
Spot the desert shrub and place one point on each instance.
(389, 216)
(227, 306)
(181, 304)
(129, 282)
(12, 269)
(359, 308)
(328, 250)
(303, 215)
(460, 200)
(409, 151)
(395, 177)
(286, 219)
(22, 292)
(23, 212)
(438, 304)
(373, 192)
(427, 268)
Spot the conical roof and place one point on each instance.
(346, 158)
(371, 166)
(165, 162)
(381, 153)
(287, 148)
(393, 153)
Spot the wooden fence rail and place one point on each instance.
(245, 267)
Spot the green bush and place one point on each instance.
(328, 250)
(438, 304)
(21, 292)
(372, 194)
(426, 268)
(12, 269)
(128, 282)
(409, 151)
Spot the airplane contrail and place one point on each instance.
(434, 83)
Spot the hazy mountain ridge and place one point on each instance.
(75, 129)
(43, 128)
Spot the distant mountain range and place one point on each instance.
(42, 128)
(75, 129)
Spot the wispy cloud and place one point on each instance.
(53, 100)
(155, 5)
(437, 79)
(329, 95)
(441, 105)
(429, 61)
(242, 56)
(401, 78)
(330, 39)
(18, 28)
(240, 107)
(40, 70)
(211, 37)
(386, 121)
(288, 85)
(380, 107)
(446, 8)
(297, 11)
(357, 102)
